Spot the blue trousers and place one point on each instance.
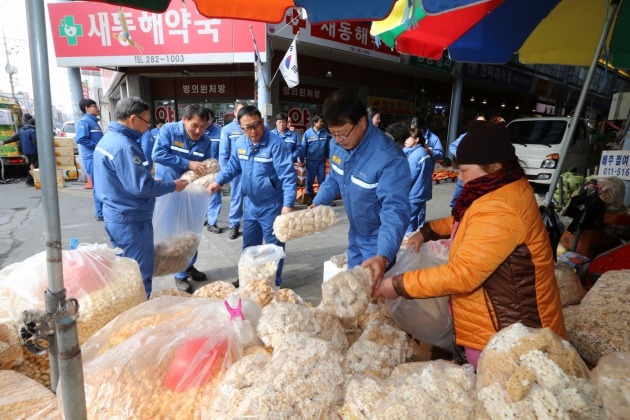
(418, 214)
(314, 169)
(360, 248)
(258, 225)
(136, 241)
(214, 208)
(98, 206)
(236, 202)
(458, 190)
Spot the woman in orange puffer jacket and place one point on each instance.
(500, 269)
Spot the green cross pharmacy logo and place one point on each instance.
(70, 30)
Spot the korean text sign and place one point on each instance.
(99, 34)
(615, 163)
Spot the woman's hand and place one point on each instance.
(385, 289)
(416, 241)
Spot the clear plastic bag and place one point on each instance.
(298, 224)
(571, 290)
(177, 225)
(611, 379)
(347, 294)
(259, 263)
(211, 167)
(169, 356)
(612, 191)
(215, 290)
(23, 398)
(533, 373)
(427, 320)
(11, 353)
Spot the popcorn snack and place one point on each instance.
(211, 167)
(257, 290)
(23, 398)
(215, 290)
(532, 373)
(174, 253)
(571, 290)
(289, 295)
(378, 350)
(611, 377)
(11, 353)
(259, 263)
(280, 318)
(347, 294)
(205, 180)
(298, 224)
(302, 380)
(435, 389)
(341, 260)
(600, 324)
(168, 292)
(104, 284)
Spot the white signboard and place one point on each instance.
(615, 163)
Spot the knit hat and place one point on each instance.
(485, 143)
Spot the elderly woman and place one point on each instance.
(500, 269)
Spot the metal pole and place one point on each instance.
(70, 368)
(264, 90)
(456, 105)
(582, 100)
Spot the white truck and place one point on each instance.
(538, 143)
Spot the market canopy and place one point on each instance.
(540, 31)
(273, 11)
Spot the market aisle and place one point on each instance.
(22, 235)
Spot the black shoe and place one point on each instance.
(235, 284)
(183, 285)
(196, 275)
(99, 219)
(234, 232)
(215, 229)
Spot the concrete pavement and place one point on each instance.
(22, 234)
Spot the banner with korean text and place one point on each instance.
(96, 34)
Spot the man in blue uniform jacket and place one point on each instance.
(147, 141)
(126, 187)
(88, 134)
(268, 179)
(214, 207)
(372, 175)
(288, 136)
(229, 133)
(315, 143)
(183, 146)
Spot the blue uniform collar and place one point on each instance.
(369, 133)
(130, 133)
(93, 117)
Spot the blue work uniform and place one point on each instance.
(315, 149)
(214, 207)
(28, 140)
(172, 153)
(128, 191)
(421, 166)
(434, 144)
(229, 134)
(87, 136)
(374, 181)
(459, 186)
(147, 141)
(268, 182)
(291, 139)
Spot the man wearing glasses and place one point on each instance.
(88, 134)
(315, 150)
(373, 177)
(268, 181)
(183, 146)
(126, 187)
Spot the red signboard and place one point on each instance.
(100, 34)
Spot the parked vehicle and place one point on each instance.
(539, 142)
(12, 161)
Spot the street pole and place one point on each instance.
(9, 68)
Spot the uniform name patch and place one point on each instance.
(241, 151)
(137, 160)
(178, 143)
(336, 159)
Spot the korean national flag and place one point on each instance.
(289, 66)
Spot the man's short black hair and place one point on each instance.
(399, 131)
(249, 110)
(282, 117)
(196, 109)
(85, 103)
(343, 107)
